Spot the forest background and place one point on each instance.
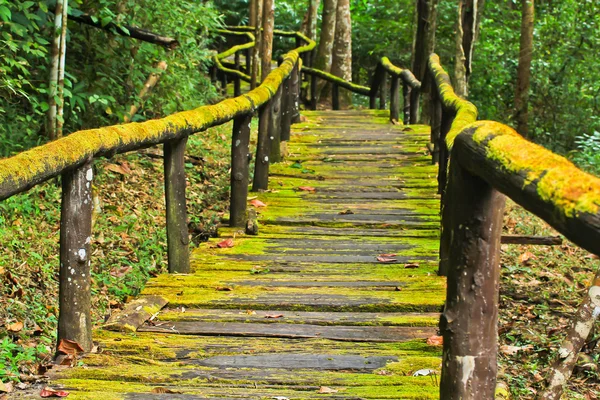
(105, 73)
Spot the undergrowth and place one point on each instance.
(128, 246)
(541, 287)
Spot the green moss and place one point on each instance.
(557, 180)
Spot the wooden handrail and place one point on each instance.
(489, 158)
(72, 157)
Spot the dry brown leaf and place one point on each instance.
(273, 316)
(257, 203)
(49, 392)
(435, 340)
(325, 389)
(224, 288)
(6, 387)
(388, 255)
(118, 169)
(411, 266)
(225, 244)
(386, 259)
(16, 327)
(526, 258)
(307, 188)
(69, 347)
(346, 212)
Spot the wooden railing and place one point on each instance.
(71, 157)
(410, 89)
(478, 161)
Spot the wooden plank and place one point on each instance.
(135, 314)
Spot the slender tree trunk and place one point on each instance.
(467, 30)
(309, 22)
(324, 53)
(268, 21)
(524, 69)
(342, 49)
(61, 72)
(258, 5)
(252, 13)
(424, 45)
(53, 81)
(145, 92)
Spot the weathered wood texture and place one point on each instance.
(263, 150)
(75, 320)
(532, 240)
(134, 314)
(469, 323)
(275, 120)
(240, 149)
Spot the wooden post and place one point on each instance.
(335, 96)
(406, 91)
(313, 92)
(224, 83)
(263, 150)
(248, 56)
(447, 119)
(395, 99)
(295, 92)
(446, 235)
(469, 323)
(175, 184)
(415, 95)
(275, 126)
(74, 320)
(436, 121)
(240, 141)
(373, 101)
(383, 92)
(237, 88)
(286, 112)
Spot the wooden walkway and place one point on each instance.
(334, 298)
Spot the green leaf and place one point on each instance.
(5, 13)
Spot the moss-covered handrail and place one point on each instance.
(489, 159)
(29, 168)
(405, 74)
(353, 87)
(217, 59)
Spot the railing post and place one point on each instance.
(469, 323)
(237, 88)
(373, 101)
(436, 121)
(275, 126)
(446, 236)
(295, 94)
(240, 141)
(248, 56)
(313, 92)
(395, 99)
(286, 113)
(406, 91)
(335, 96)
(74, 320)
(263, 150)
(415, 95)
(446, 124)
(224, 83)
(383, 92)
(175, 184)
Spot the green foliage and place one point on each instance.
(104, 71)
(13, 355)
(587, 154)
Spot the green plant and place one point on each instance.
(587, 154)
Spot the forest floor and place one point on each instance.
(540, 289)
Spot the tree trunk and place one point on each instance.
(342, 50)
(145, 92)
(309, 22)
(54, 57)
(266, 49)
(467, 30)
(258, 5)
(60, 107)
(424, 45)
(324, 53)
(252, 13)
(524, 69)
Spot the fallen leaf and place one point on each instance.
(224, 288)
(250, 312)
(414, 265)
(225, 244)
(49, 392)
(69, 347)
(386, 259)
(16, 327)
(274, 316)
(307, 188)
(388, 255)
(526, 258)
(257, 203)
(512, 350)
(435, 340)
(117, 273)
(346, 212)
(161, 390)
(280, 398)
(325, 389)
(6, 387)
(118, 169)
